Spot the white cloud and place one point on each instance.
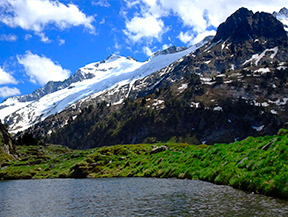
(101, 3)
(132, 3)
(6, 91)
(201, 14)
(43, 37)
(144, 27)
(198, 15)
(6, 78)
(37, 14)
(165, 46)
(191, 39)
(102, 21)
(27, 37)
(185, 37)
(147, 51)
(61, 42)
(41, 69)
(9, 37)
(201, 36)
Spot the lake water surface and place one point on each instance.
(131, 197)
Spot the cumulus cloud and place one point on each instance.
(147, 51)
(41, 69)
(7, 91)
(6, 78)
(185, 37)
(101, 3)
(191, 38)
(201, 36)
(37, 14)
(197, 15)
(9, 37)
(147, 26)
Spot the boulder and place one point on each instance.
(158, 149)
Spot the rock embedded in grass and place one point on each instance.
(158, 149)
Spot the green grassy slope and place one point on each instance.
(255, 164)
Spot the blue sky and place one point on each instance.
(44, 40)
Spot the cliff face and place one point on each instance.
(7, 148)
(244, 25)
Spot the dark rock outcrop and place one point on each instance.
(7, 148)
(244, 25)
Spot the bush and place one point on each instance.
(282, 132)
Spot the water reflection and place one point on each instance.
(131, 197)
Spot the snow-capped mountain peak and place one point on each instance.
(24, 111)
(282, 15)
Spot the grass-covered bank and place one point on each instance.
(254, 164)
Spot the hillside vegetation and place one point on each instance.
(256, 164)
(237, 104)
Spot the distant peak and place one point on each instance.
(284, 11)
(282, 14)
(113, 56)
(131, 58)
(169, 50)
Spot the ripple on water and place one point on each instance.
(131, 197)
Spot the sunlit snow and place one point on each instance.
(114, 72)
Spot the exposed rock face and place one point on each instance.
(282, 14)
(243, 25)
(6, 144)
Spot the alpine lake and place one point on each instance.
(132, 197)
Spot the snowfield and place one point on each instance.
(115, 71)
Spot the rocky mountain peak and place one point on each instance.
(245, 25)
(282, 14)
(113, 57)
(169, 50)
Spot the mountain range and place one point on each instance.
(226, 87)
(21, 112)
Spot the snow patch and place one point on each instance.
(263, 70)
(257, 57)
(279, 102)
(157, 102)
(183, 87)
(282, 67)
(264, 104)
(218, 108)
(258, 128)
(195, 104)
(228, 82)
